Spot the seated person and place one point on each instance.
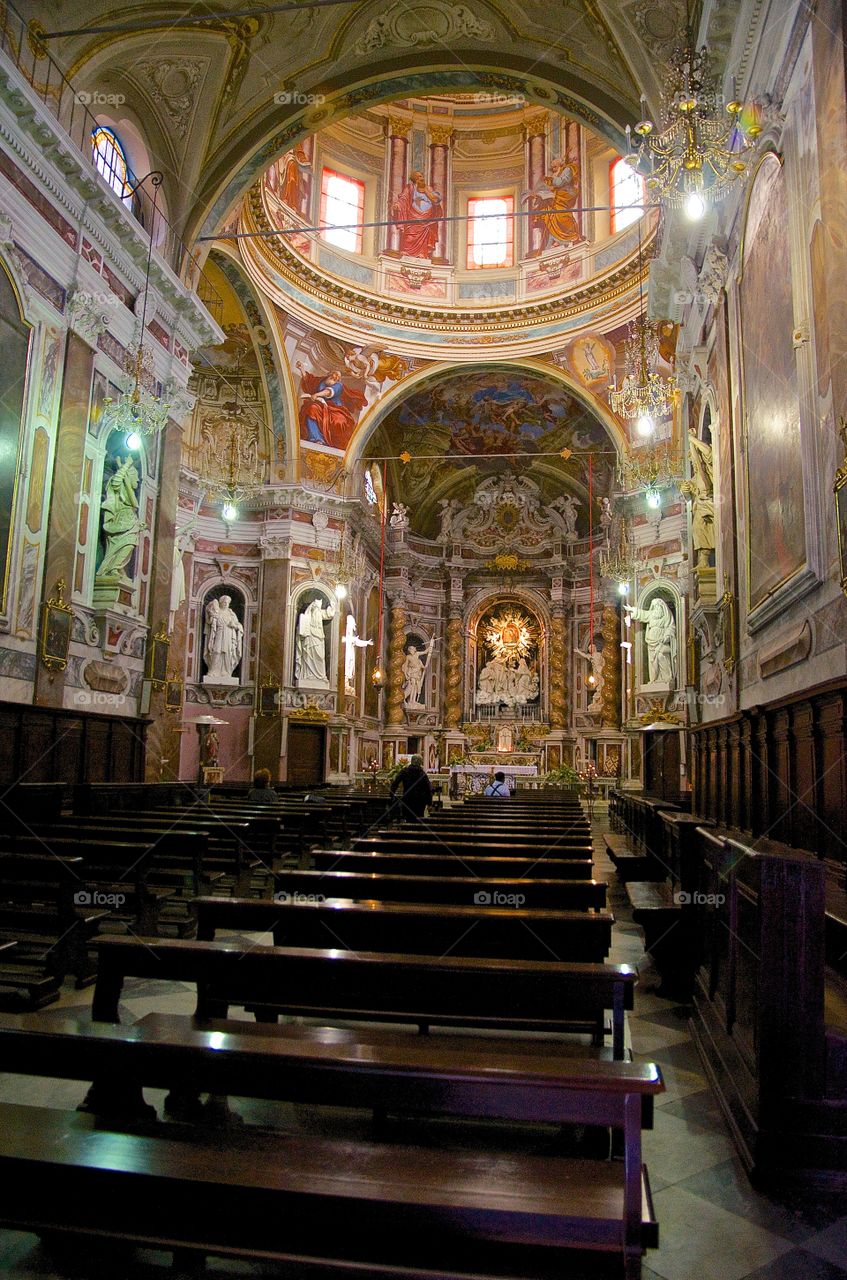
(498, 787)
(417, 791)
(262, 792)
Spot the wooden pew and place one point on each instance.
(116, 868)
(507, 995)
(337, 1207)
(571, 895)
(488, 845)
(47, 907)
(440, 861)
(417, 929)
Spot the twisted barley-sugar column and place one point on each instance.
(396, 642)
(453, 680)
(558, 674)
(610, 694)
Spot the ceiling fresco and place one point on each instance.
(467, 426)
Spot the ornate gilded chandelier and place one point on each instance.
(621, 563)
(700, 148)
(644, 395)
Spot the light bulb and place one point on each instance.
(340, 591)
(623, 588)
(695, 206)
(133, 440)
(654, 499)
(645, 425)
(592, 680)
(230, 512)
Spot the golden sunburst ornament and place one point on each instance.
(510, 635)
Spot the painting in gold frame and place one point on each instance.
(776, 523)
(56, 624)
(158, 653)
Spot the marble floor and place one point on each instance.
(713, 1224)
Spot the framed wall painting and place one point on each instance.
(56, 623)
(776, 523)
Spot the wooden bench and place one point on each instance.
(630, 863)
(445, 863)
(336, 1207)
(506, 995)
(570, 895)
(24, 985)
(47, 907)
(487, 845)
(418, 929)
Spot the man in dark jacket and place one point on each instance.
(417, 792)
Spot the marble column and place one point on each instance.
(557, 658)
(394, 713)
(610, 694)
(397, 138)
(272, 656)
(454, 669)
(162, 742)
(440, 139)
(64, 495)
(535, 145)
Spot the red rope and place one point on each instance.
(381, 577)
(591, 552)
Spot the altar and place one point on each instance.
(472, 779)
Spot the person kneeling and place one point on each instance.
(498, 787)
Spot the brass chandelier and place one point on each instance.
(700, 148)
(644, 395)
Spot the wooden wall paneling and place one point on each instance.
(781, 799)
(832, 775)
(760, 818)
(746, 782)
(804, 825)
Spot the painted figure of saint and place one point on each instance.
(296, 171)
(329, 410)
(418, 208)
(552, 200)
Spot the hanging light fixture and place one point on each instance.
(645, 395)
(137, 411)
(239, 477)
(621, 563)
(700, 147)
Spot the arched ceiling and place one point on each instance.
(464, 426)
(222, 100)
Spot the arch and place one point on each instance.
(376, 413)
(279, 385)
(486, 599)
(16, 338)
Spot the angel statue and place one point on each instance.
(414, 671)
(399, 518)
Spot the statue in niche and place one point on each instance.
(121, 524)
(224, 642)
(414, 672)
(660, 638)
(309, 647)
(568, 505)
(700, 490)
(595, 657)
(351, 643)
(399, 518)
(605, 513)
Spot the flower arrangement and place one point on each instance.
(564, 776)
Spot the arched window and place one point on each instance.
(626, 195)
(491, 232)
(370, 491)
(110, 160)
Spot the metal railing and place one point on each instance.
(51, 86)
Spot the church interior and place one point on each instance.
(407, 399)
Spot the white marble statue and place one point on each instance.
(399, 518)
(660, 639)
(309, 645)
(595, 657)
(449, 509)
(568, 505)
(414, 671)
(605, 512)
(121, 524)
(510, 686)
(700, 490)
(224, 641)
(351, 643)
(178, 587)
